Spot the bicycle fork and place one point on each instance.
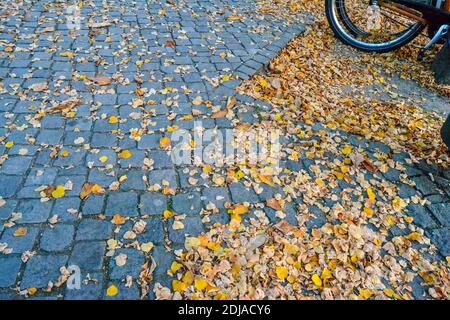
(442, 32)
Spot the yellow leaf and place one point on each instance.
(290, 249)
(408, 219)
(64, 154)
(221, 296)
(175, 267)
(390, 220)
(414, 236)
(200, 284)
(239, 175)
(399, 204)
(239, 209)
(347, 150)
(97, 189)
(125, 154)
(214, 246)
(20, 232)
(147, 247)
(282, 273)
(267, 179)
(316, 280)
(165, 143)
(103, 159)
(31, 291)
(113, 120)
(320, 182)
(123, 178)
(326, 274)
(389, 292)
(365, 294)
(172, 128)
(118, 220)
(368, 212)
(207, 169)
(178, 286)
(188, 278)
(370, 194)
(112, 291)
(263, 83)
(112, 244)
(59, 192)
(168, 214)
(9, 144)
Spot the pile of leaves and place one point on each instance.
(309, 81)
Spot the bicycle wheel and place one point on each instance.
(368, 26)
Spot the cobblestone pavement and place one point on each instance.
(157, 59)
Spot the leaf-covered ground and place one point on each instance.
(357, 208)
(371, 244)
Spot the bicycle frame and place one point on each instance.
(429, 15)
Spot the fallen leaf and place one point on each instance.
(125, 154)
(170, 43)
(20, 232)
(58, 192)
(118, 219)
(274, 204)
(165, 143)
(112, 291)
(282, 273)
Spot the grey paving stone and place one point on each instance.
(162, 177)
(49, 137)
(34, 211)
(215, 195)
(193, 226)
(123, 203)
(161, 159)
(240, 193)
(9, 267)
(64, 209)
(405, 191)
(40, 270)
(9, 185)
(20, 244)
(425, 185)
(441, 238)
(154, 231)
(153, 204)
(422, 216)
(163, 260)
(41, 176)
(93, 205)
(90, 229)
(189, 203)
(134, 180)
(16, 165)
(441, 211)
(135, 259)
(89, 290)
(88, 256)
(57, 239)
(7, 209)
